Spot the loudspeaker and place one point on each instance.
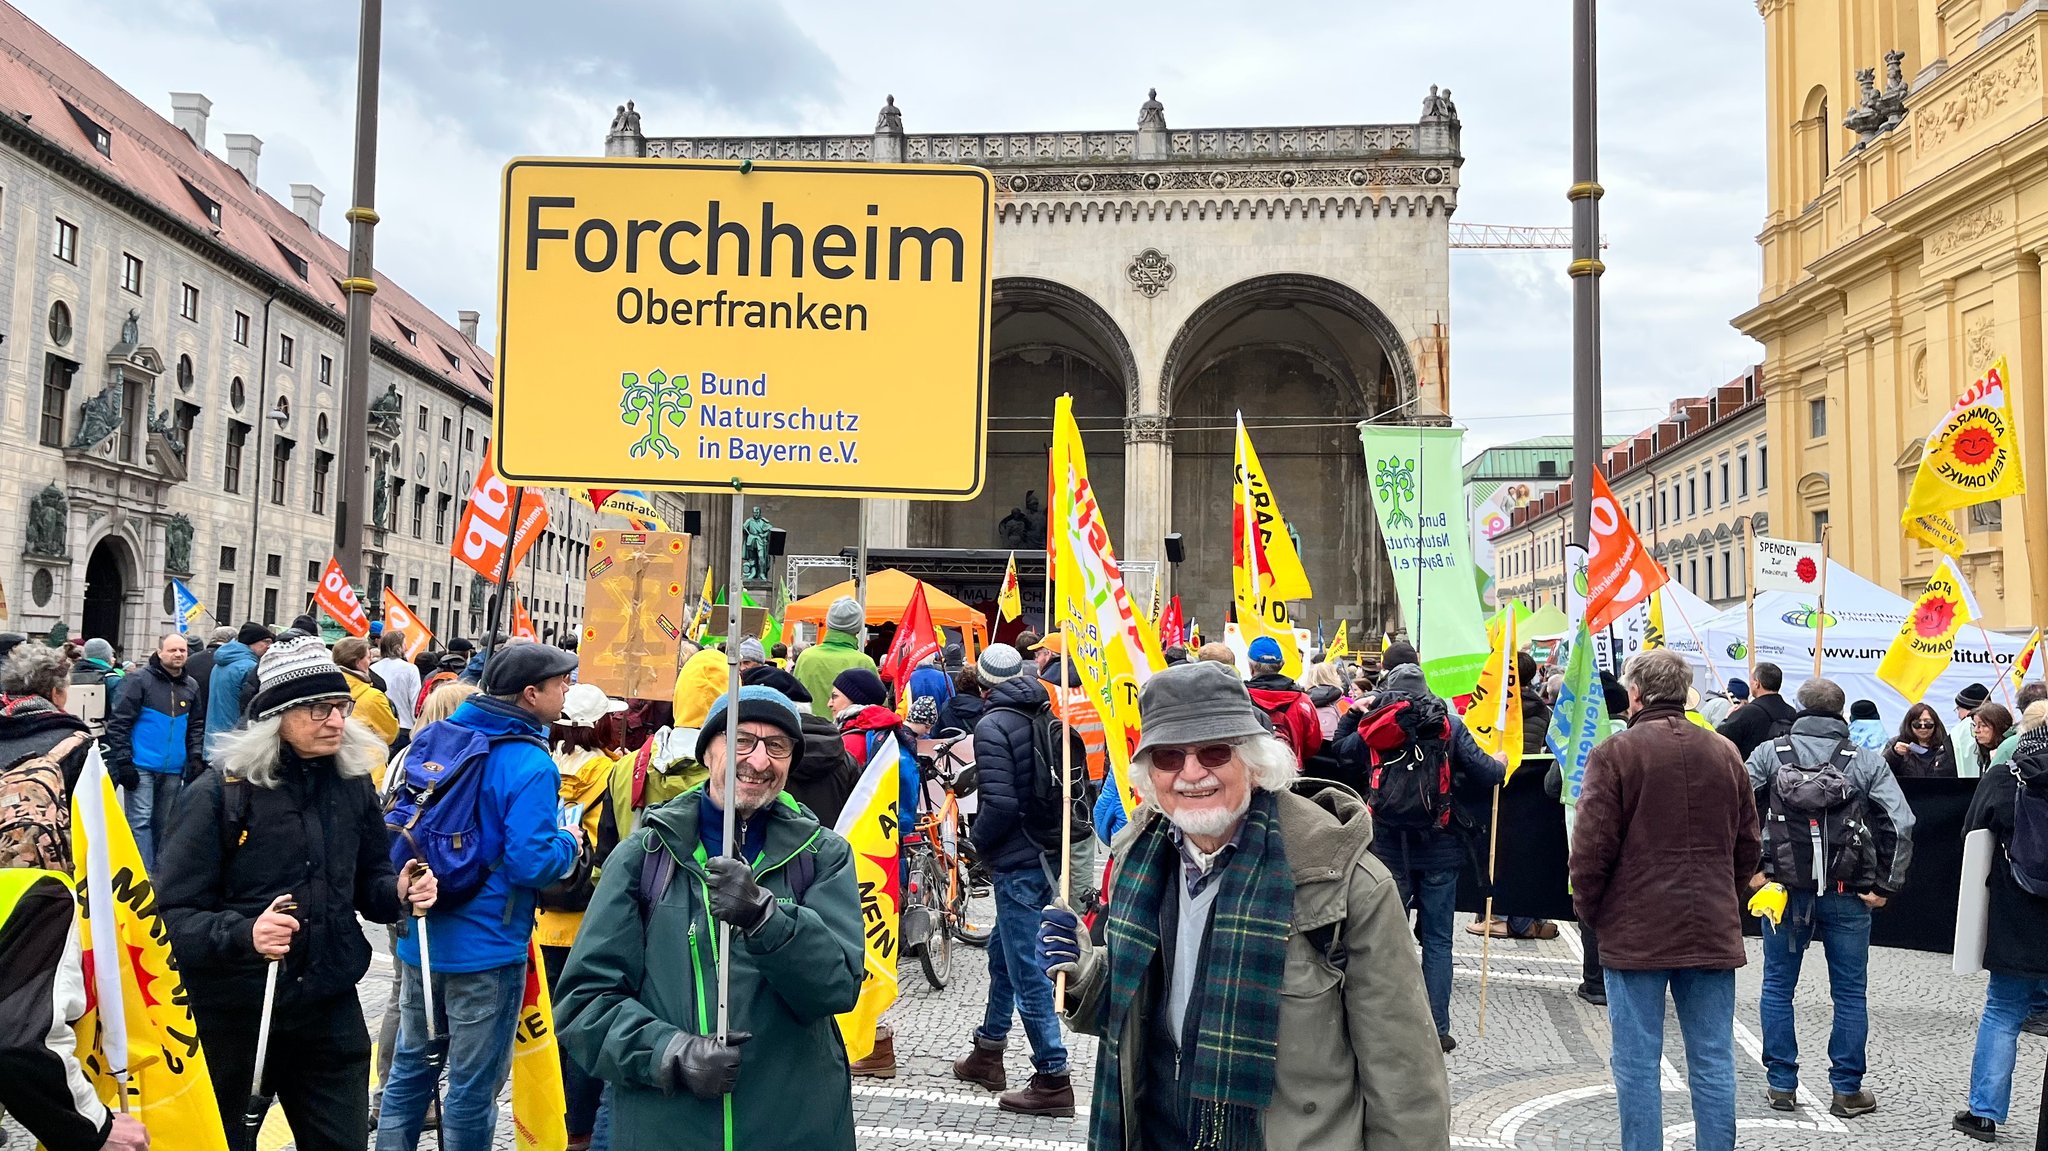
(693, 522)
(778, 539)
(1174, 552)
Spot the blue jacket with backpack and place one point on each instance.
(519, 833)
(232, 664)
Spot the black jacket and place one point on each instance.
(1750, 726)
(31, 725)
(1005, 761)
(825, 775)
(1473, 776)
(159, 707)
(2016, 937)
(200, 668)
(961, 713)
(318, 837)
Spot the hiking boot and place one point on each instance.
(1975, 1126)
(1447, 1043)
(1781, 1100)
(983, 1067)
(1044, 1095)
(881, 1062)
(1850, 1106)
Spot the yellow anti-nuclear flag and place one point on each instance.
(1110, 645)
(539, 1114)
(137, 1033)
(1010, 601)
(1340, 647)
(1266, 570)
(1971, 457)
(1495, 715)
(868, 824)
(1926, 642)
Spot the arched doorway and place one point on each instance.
(1305, 359)
(106, 592)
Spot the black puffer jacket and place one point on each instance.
(2016, 939)
(317, 836)
(1005, 760)
(961, 713)
(825, 775)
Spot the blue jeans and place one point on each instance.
(1015, 981)
(479, 1010)
(1843, 924)
(148, 808)
(2006, 998)
(1433, 895)
(601, 1127)
(1706, 1019)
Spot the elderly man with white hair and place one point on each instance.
(1259, 986)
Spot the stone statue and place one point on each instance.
(1152, 114)
(178, 544)
(131, 329)
(632, 120)
(889, 121)
(381, 502)
(618, 122)
(1892, 101)
(1014, 530)
(100, 415)
(1866, 119)
(754, 559)
(1294, 537)
(1034, 516)
(1437, 105)
(385, 416)
(47, 514)
(1449, 107)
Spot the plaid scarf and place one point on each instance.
(1236, 1009)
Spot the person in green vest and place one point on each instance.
(839, 650)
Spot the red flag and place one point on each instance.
(335, 597)
(1171, 623)
(916, 638)
(522, 623)
(1619, 571)
(486, 523)
(402, 619)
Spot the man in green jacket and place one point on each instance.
(822, 662)
(637, 1006)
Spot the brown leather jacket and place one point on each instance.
(1664, 845)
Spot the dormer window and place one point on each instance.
(102, 141)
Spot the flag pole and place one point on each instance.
(1486, 940)
(1820, 625)
(734, 590)
(1749, 587)
(1059, 981)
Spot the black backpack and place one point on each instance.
(1408, 741)
(1816, 831)
(2028, 851)
(1039, 807)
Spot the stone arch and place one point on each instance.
(1813, 486)
(111, 587)
(1081, 310)
(1219, 309)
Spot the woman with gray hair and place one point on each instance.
(34, 682)
(1226, 869)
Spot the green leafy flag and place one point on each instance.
(1579, 720)
(1418, 493)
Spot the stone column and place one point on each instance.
(1148, 492)
(2019, 294)
(888, 523)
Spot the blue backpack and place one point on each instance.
(434, 812)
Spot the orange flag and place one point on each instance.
(522, 623)
(1619, 571)
(401, 619)
(486, 523)
(335, 597)
(916, 638)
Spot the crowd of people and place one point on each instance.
(1262, 945)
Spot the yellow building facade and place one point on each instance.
(1901, 255)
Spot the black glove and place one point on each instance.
(700, 1063)
(124, 775)
(736, 898)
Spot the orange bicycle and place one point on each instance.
(935, 907)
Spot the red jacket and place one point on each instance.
(1293, 714)
(876, 723)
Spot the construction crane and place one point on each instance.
(1512, 238)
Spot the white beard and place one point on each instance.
(1210, 822)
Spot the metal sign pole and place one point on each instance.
(732, 742)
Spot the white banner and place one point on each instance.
(1785, 565)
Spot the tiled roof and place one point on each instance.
(47, 88)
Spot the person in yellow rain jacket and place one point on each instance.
(666, 765)
(373, 707)
(585, 744)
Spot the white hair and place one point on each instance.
(252, 752)
(1271, 764)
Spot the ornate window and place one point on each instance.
(60, 323)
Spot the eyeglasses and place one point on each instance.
(778, 746)
(1174, 760)
(325, 708)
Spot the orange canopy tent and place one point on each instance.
(889, 592)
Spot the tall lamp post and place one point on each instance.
(1585, 269)
(360, 285)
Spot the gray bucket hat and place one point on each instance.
(1193, 703)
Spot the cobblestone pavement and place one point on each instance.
(1536, 1079)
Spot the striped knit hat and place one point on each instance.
(293, 672)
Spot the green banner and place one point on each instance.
(1418, 492)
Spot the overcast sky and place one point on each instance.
(469, 83)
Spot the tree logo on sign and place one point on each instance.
(659, 398)
(1395, 479)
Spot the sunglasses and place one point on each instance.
(1174, 760)
(323, 710)
(778, 746)
(1923, 725)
